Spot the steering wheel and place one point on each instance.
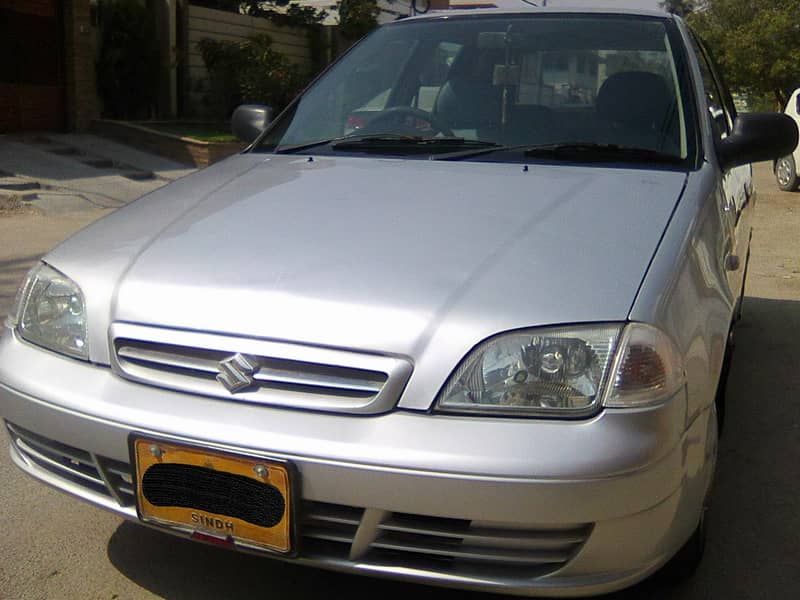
(396, 118)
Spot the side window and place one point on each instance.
(720, 106)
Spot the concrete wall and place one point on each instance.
(219, 25)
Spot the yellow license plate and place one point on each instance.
(238, 500)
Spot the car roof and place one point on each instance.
(526, 9)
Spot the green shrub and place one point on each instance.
(250, 71)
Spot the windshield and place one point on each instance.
(498, 85)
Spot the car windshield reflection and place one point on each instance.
(511, 82)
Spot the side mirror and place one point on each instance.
(757, 137)
(249, 120)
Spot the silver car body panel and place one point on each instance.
(252, 243)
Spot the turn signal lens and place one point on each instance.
(648, 369)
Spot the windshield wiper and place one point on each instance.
(333, 140)
(579, 150)
(591, 150)
(386, 141)
(416, 145)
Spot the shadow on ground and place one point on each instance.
(754, 526)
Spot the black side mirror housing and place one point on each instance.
(249, 120)
(757, 137)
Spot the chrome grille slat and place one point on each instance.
(118, 479)
(493, 537)
(38, 457)
(332, 514)
(156, 357)
(125, 489)
(324, 381)
(493, 555)
(329, 522)
(274, 373)
(99, 474)
(424, 538)
(330, 536)
(122, 474)
(50, 446)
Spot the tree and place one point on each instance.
(682, 8)
(358, 17)
(280, 12)
(756, 42)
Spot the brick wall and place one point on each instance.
(79, 71)
(31, 69)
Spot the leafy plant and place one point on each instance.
(679, 7)
(357, 18)
(270, 78)
(250, 71)
(127, 67)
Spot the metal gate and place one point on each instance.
(31, 65)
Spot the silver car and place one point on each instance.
(461, 314)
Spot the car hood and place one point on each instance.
(403, 257)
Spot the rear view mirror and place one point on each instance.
(249, 120)
(506, 75)
(499, 40)
(757, 137)
(492, 40)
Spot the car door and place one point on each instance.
(735, 191)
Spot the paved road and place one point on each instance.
(54, 547)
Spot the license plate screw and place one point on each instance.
(156, 451)
(261, 471)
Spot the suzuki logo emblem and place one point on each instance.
(236, 372)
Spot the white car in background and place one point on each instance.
(786, 167)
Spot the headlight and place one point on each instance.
(50, 312)
(565, 372)
(556, 372)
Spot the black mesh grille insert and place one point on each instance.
(222, 493)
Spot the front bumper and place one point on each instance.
(519, 506)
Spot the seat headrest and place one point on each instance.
(635, 97)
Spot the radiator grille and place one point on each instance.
(436, 544)
(102, 475)
(259, 371)
(419, 539)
